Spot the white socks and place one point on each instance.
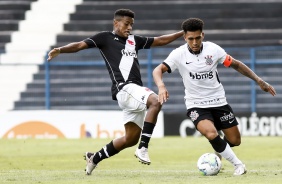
(229, 155)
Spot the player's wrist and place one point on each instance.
(259, 80)
(161, 85)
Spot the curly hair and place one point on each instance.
(124, 12)
(192, 24)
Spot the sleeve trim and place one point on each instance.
(169, 70)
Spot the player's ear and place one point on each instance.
(184, 36)
(115, 22)
(203, 35)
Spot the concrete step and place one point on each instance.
(12, 14)
(168, 24)
(174, 14)
(180, 5)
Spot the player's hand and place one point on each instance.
(163, 94)
(53, 53)
(267, 87)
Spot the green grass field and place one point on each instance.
(173, 161)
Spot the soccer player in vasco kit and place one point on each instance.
(139, 104)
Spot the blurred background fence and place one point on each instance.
(85, 85)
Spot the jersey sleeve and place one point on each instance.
(222, 56)
(171, 61)
(221, 59)
(95, 40)
(144, 42)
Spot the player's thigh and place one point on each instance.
(206, 127)
(203, 121)
(152, 100)
(153, 108)
(233, 135)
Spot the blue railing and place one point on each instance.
(150, 63)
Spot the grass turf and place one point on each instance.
(173, 159)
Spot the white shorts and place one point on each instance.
(132, 99)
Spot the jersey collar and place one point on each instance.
(195, 53)
(121, 38)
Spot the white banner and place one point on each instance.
(260, 126)
(54, 124)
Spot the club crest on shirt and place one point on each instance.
(130, 42)
(209, 60)
(194, 115)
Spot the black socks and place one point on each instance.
(106, 152)
(146, 135)
(218, 144)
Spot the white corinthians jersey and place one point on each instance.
(199, 73)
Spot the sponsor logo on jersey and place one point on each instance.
(130, 42)
(200, 76)
(228, 117)
(116, 38)
(194, 115)
(128, 53)
(209, 60)
(188, 63)
(208, 102)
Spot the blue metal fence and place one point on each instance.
(251, 58)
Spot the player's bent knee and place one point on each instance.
(233, 142)
(237, 142)
(210, 135)
(156, 105)
(153, 102)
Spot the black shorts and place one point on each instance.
(222, 117)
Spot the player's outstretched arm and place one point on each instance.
(166, 39)
(69, 48)
(245, 70)
(158, 75)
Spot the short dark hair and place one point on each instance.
(124, 12)
(192, 24)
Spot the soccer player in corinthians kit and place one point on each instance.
(204, 94)
(119, 49)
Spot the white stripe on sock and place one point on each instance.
(147, 135)
(105, 151)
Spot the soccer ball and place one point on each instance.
(209, 164)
